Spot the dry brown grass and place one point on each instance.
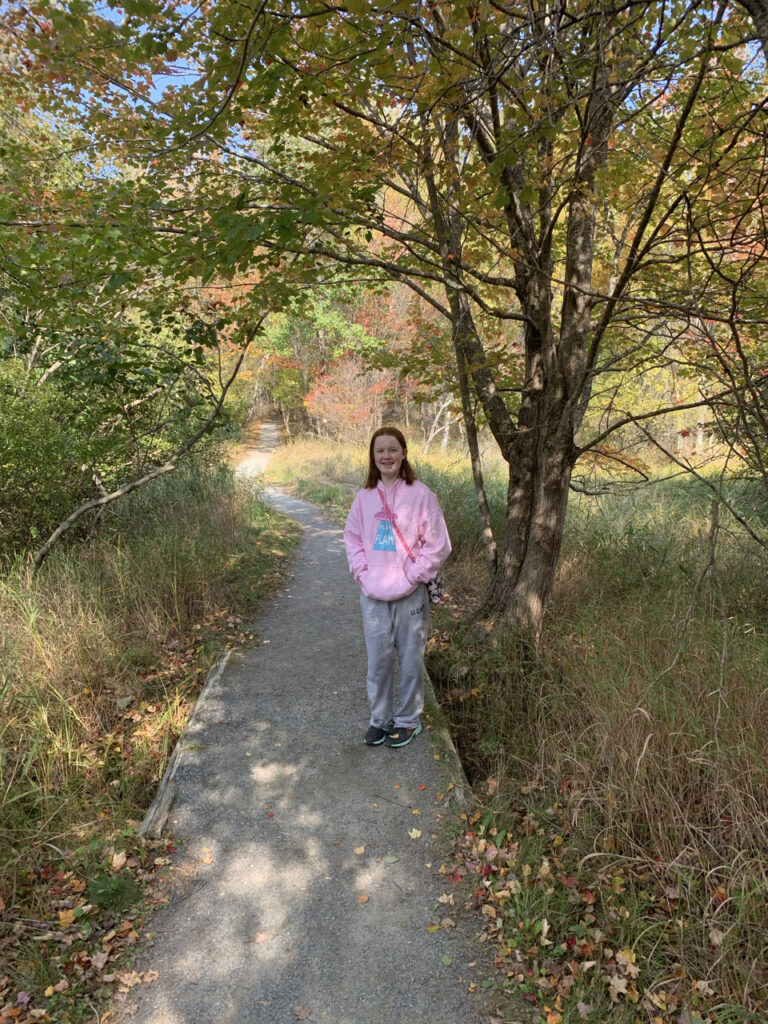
(102, 652)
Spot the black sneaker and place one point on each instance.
(375, 736)
(400, 737)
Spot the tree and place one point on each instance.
(518, 167)
(758, 10)
(306, 343)
(105, 365)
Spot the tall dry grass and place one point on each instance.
(107, 628)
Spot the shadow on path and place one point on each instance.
(316, 858)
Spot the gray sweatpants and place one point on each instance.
(400, 626)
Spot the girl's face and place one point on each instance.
(388, 456)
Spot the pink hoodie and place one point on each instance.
(377, 557)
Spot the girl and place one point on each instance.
(396, 540)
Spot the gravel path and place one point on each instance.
(314, 859)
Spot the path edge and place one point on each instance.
(157, 815)
(441, 737)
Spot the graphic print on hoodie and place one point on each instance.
(385, 534)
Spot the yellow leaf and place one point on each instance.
(415, 811)
(66, 917)
(359, 850)
(432, 928)
(415, 833)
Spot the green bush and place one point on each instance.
(44, 453)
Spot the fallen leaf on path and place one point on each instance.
(390, 858)
(118, 861)
(301, 1012)
(447, 960)
(415, 833)
(422, 786)
(363, 897)
(416, 811)
(259, 937)
(359, 850)
(128, 979)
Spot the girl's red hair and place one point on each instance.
(406, 469)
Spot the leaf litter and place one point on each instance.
(579, 938)
(86, 930)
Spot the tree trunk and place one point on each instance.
(470, 425)
(537, 500)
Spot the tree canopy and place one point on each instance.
(576, 189)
